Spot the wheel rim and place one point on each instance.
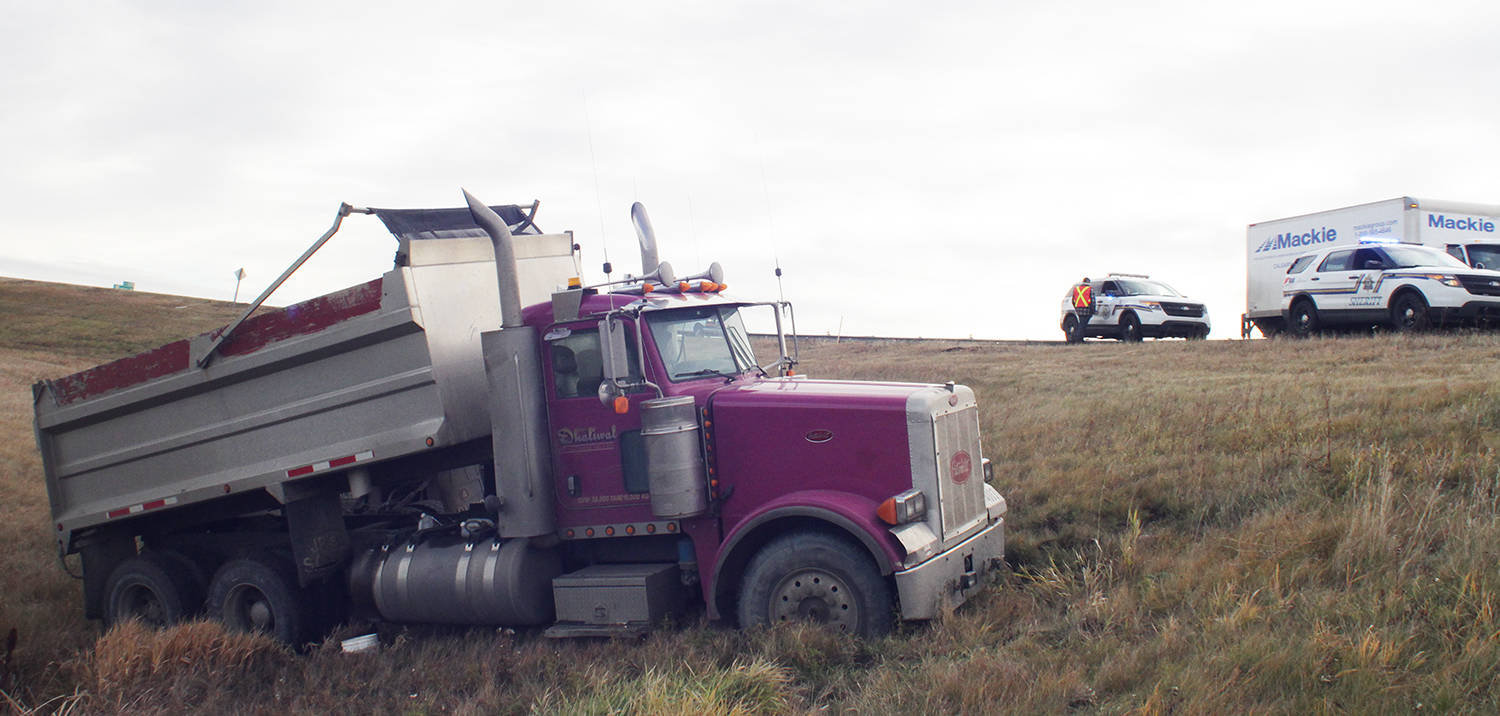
(1407, 315)
(817, 596)
(140, 602)
(247, 609)
(1304, 320)
(1132, 330)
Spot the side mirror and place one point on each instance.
(614, 356)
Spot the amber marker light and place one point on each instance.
(589, 532)
(622, 405)
(609, 531)
(630, 529)
(647, 288)
(684, 286)
(575, 282)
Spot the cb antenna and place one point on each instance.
(598, 201)
(765, 189)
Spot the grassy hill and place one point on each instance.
(1207, 527)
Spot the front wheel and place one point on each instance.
(817, 578)
(1130, 328)
(1409, 313)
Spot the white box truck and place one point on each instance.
(1470, 232)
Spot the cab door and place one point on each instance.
(597, 454)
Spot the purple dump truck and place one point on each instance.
(476, 438)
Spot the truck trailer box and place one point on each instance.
(1271, 246)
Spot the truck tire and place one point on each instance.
(1130, 328)
(259, 594)
(1304, 317)
(1072, 329)
(816, 577)
(152, 588)
(1409, 313)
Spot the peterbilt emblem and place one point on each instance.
(960, 467)
(818, 436)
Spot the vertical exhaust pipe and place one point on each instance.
(505, 259)
(518, 415)
(647, 237)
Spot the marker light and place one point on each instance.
(647, 287)
(575, 282)
(908, 506)
(684, 286)
(622, 405)
(723, 287)
(709, 287)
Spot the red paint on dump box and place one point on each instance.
(255, 333)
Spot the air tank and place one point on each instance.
(674, 457)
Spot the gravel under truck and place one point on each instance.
(476, 438)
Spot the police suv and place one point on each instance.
(1406, 286)
(1129, 307)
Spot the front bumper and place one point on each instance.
(1467, 313)
(948, 578)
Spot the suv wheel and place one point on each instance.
(1130, 328)
(1409, 313)
(1304, 318)
(1072, 329)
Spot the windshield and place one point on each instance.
(1409, 256)
(1484, 256)
(1142, 287)
(695, 342)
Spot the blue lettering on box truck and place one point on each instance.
(1289, 241)
(1460, 223)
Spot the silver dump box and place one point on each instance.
(374, 372)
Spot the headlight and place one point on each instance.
(1446, 279)
(908, 506)
(1151, 305)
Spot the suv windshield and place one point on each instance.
(1142, 287)
(695, 342)
(1409, 256)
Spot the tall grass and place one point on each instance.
(1238, 527)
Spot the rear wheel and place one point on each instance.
(1072, 329)
(259, 594)
(153, 588)
(1304, 318)
(1130, 328)
(818, 578)
(1409, 313)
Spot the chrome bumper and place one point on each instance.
(947, 579)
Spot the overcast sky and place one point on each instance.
(919, 169)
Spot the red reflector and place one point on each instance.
(119, 513)
(299, 472)
(346, 460)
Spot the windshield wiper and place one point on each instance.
(708, 371)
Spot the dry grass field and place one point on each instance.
(1208, 527)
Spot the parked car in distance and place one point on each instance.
(1129, 307)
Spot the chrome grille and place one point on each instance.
(956, 436)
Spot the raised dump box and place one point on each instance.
(371, 373)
